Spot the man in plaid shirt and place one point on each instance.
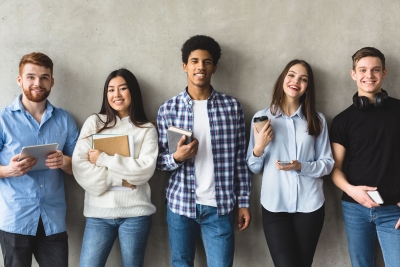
(210, 173)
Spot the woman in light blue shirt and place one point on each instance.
(294, 152)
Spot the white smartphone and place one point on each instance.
(375, 196)
(283, 163)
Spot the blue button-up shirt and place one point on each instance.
(292, 191)
(25, 198)
(227, 130)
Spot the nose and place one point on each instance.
(36, 81)
(117, 93)
(200, 65)
(369, 73)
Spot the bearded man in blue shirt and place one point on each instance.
(209, 174)
(32, 203)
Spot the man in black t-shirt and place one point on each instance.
(368, 134)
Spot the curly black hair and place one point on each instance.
(201, 42)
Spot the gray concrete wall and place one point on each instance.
(89, 39)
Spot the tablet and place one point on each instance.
(39, 152)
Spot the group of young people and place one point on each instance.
(208, 175)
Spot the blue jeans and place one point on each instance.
(363, 225)
(100, 235)
(215, 231)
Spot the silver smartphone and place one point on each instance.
(283, 163)
(375, 196)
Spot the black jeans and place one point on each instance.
(49, 251)
(292, 237)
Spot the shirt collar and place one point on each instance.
(16, 105)
(188, 100)
(298, 113)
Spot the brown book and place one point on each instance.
(112, 144)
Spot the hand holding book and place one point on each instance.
(186, 151)
(94, 155)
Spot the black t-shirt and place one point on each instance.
(372, 142)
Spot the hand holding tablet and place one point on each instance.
(40, 152)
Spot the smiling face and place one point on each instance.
(369, 75)
(36, 82)
(295, 82)
(199, 69)
(118, 96)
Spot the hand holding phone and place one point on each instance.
(375, 196)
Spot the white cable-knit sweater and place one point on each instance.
(110, 170)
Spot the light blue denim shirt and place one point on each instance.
(38, 193)
(292, 191)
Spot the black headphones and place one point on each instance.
(362, 102)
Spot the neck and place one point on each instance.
(290, 106)
(36, 109)
(370, 96)
(199, 93)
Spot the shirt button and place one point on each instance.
(41, 185)
(192, 191)
(40, 203)
(191, 175)
(39, 132)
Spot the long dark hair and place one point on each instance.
(136, 111)
(314, 125)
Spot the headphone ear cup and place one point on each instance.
(361, 102)
(380, 98)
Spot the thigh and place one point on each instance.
(308, 228)
(389, 237)
(182, 234)
(361, 234)
(218, 236)
(133, 234)
(281, 238)
(98, 239)
(17, 249)
(52, 250)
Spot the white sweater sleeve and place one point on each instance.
(139, 169)
(94, 179)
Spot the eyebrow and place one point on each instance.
(34, 74)
(375, 67)
(118, 85)
(195, 58)
(296, 73)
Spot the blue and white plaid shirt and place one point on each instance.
(227, 129)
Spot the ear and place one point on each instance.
(19, 80)
(52, 81)
(353, 75)
(184, 67)
(214, 69)
(384, 73)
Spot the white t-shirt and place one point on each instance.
(203, 161)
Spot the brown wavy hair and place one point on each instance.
(36, 58)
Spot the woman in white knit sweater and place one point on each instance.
(117, 193)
